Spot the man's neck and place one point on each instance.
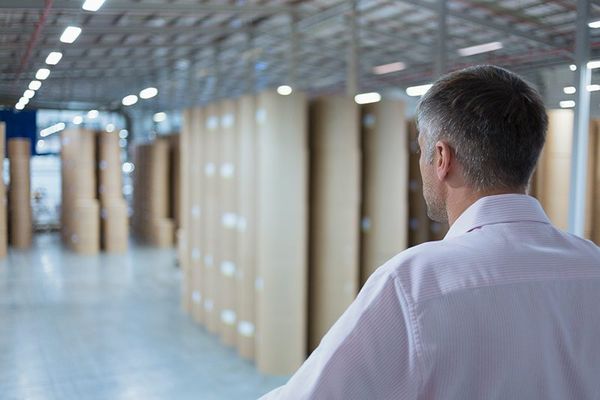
(462, 198)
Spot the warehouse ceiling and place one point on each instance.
(194, 51)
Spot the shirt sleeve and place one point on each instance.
(369, 353)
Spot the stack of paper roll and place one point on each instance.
(114, 211)
(152, 222)
(3, 201)
(80, 207)
(85, 237)
(19, 199)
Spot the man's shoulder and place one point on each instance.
(435, 269)
(420, 270)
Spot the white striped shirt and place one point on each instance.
(505, 307)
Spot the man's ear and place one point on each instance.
(444, 160)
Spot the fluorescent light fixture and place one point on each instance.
(158, 117)
(567, 104)
(593, 88)
(480, 48)
(70, 34)
(92, 114)
(77, 120)
(129, 100)
(573, 67)
(110, 127)
(148, 93)
(123, 133)
(42, 74)
(35, 85)
(594, 24)
(52, 129)
(569, 90)
(24, 101)
(593, 64)
(389, 68)
(284, 90)
(92, 5)
(53, 58)
(366, 98)
(28, 94)
(420, 90)
(20, 106)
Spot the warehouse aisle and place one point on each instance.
(108, 327)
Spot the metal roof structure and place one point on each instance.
(194, 50)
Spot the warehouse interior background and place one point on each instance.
(194, 191)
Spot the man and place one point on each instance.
(506, 306)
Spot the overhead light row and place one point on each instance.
(572, 90)
(69, 35)
(464, 52)
(145, 94)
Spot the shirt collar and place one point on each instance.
(498, 209)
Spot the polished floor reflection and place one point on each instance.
(108, 327)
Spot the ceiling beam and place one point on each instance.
(506, 29)
(120, 6)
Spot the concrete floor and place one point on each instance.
(108, 327)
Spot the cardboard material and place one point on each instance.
(114, 225)
(228, 211)
(151, 194)
(79, 191)
(282, 233)
(385, 188)
(197, 216)
(3, 199)
(246, 224)
(19, 196)
(210, 236)
(85, 235)
(184, 229)
(552, 178)
(335, 183)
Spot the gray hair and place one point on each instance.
(494, 121)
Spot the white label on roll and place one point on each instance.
(208, 260)
(369, 120)
(229, 220)
(196, 211)
(259, 283)
(209, 305)
(365, 224)
(246, 328)
(210, 169)
(228, 317)
(212, 123)
(261, 115)
(103, 164)
(228, 268)
(196, 297)
(227, 121)
(227, 170)
(241, 223)
(196, 254)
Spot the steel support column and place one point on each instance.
(578, 188)
(352, 62)
(441, 57)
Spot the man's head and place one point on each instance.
(481, 131)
